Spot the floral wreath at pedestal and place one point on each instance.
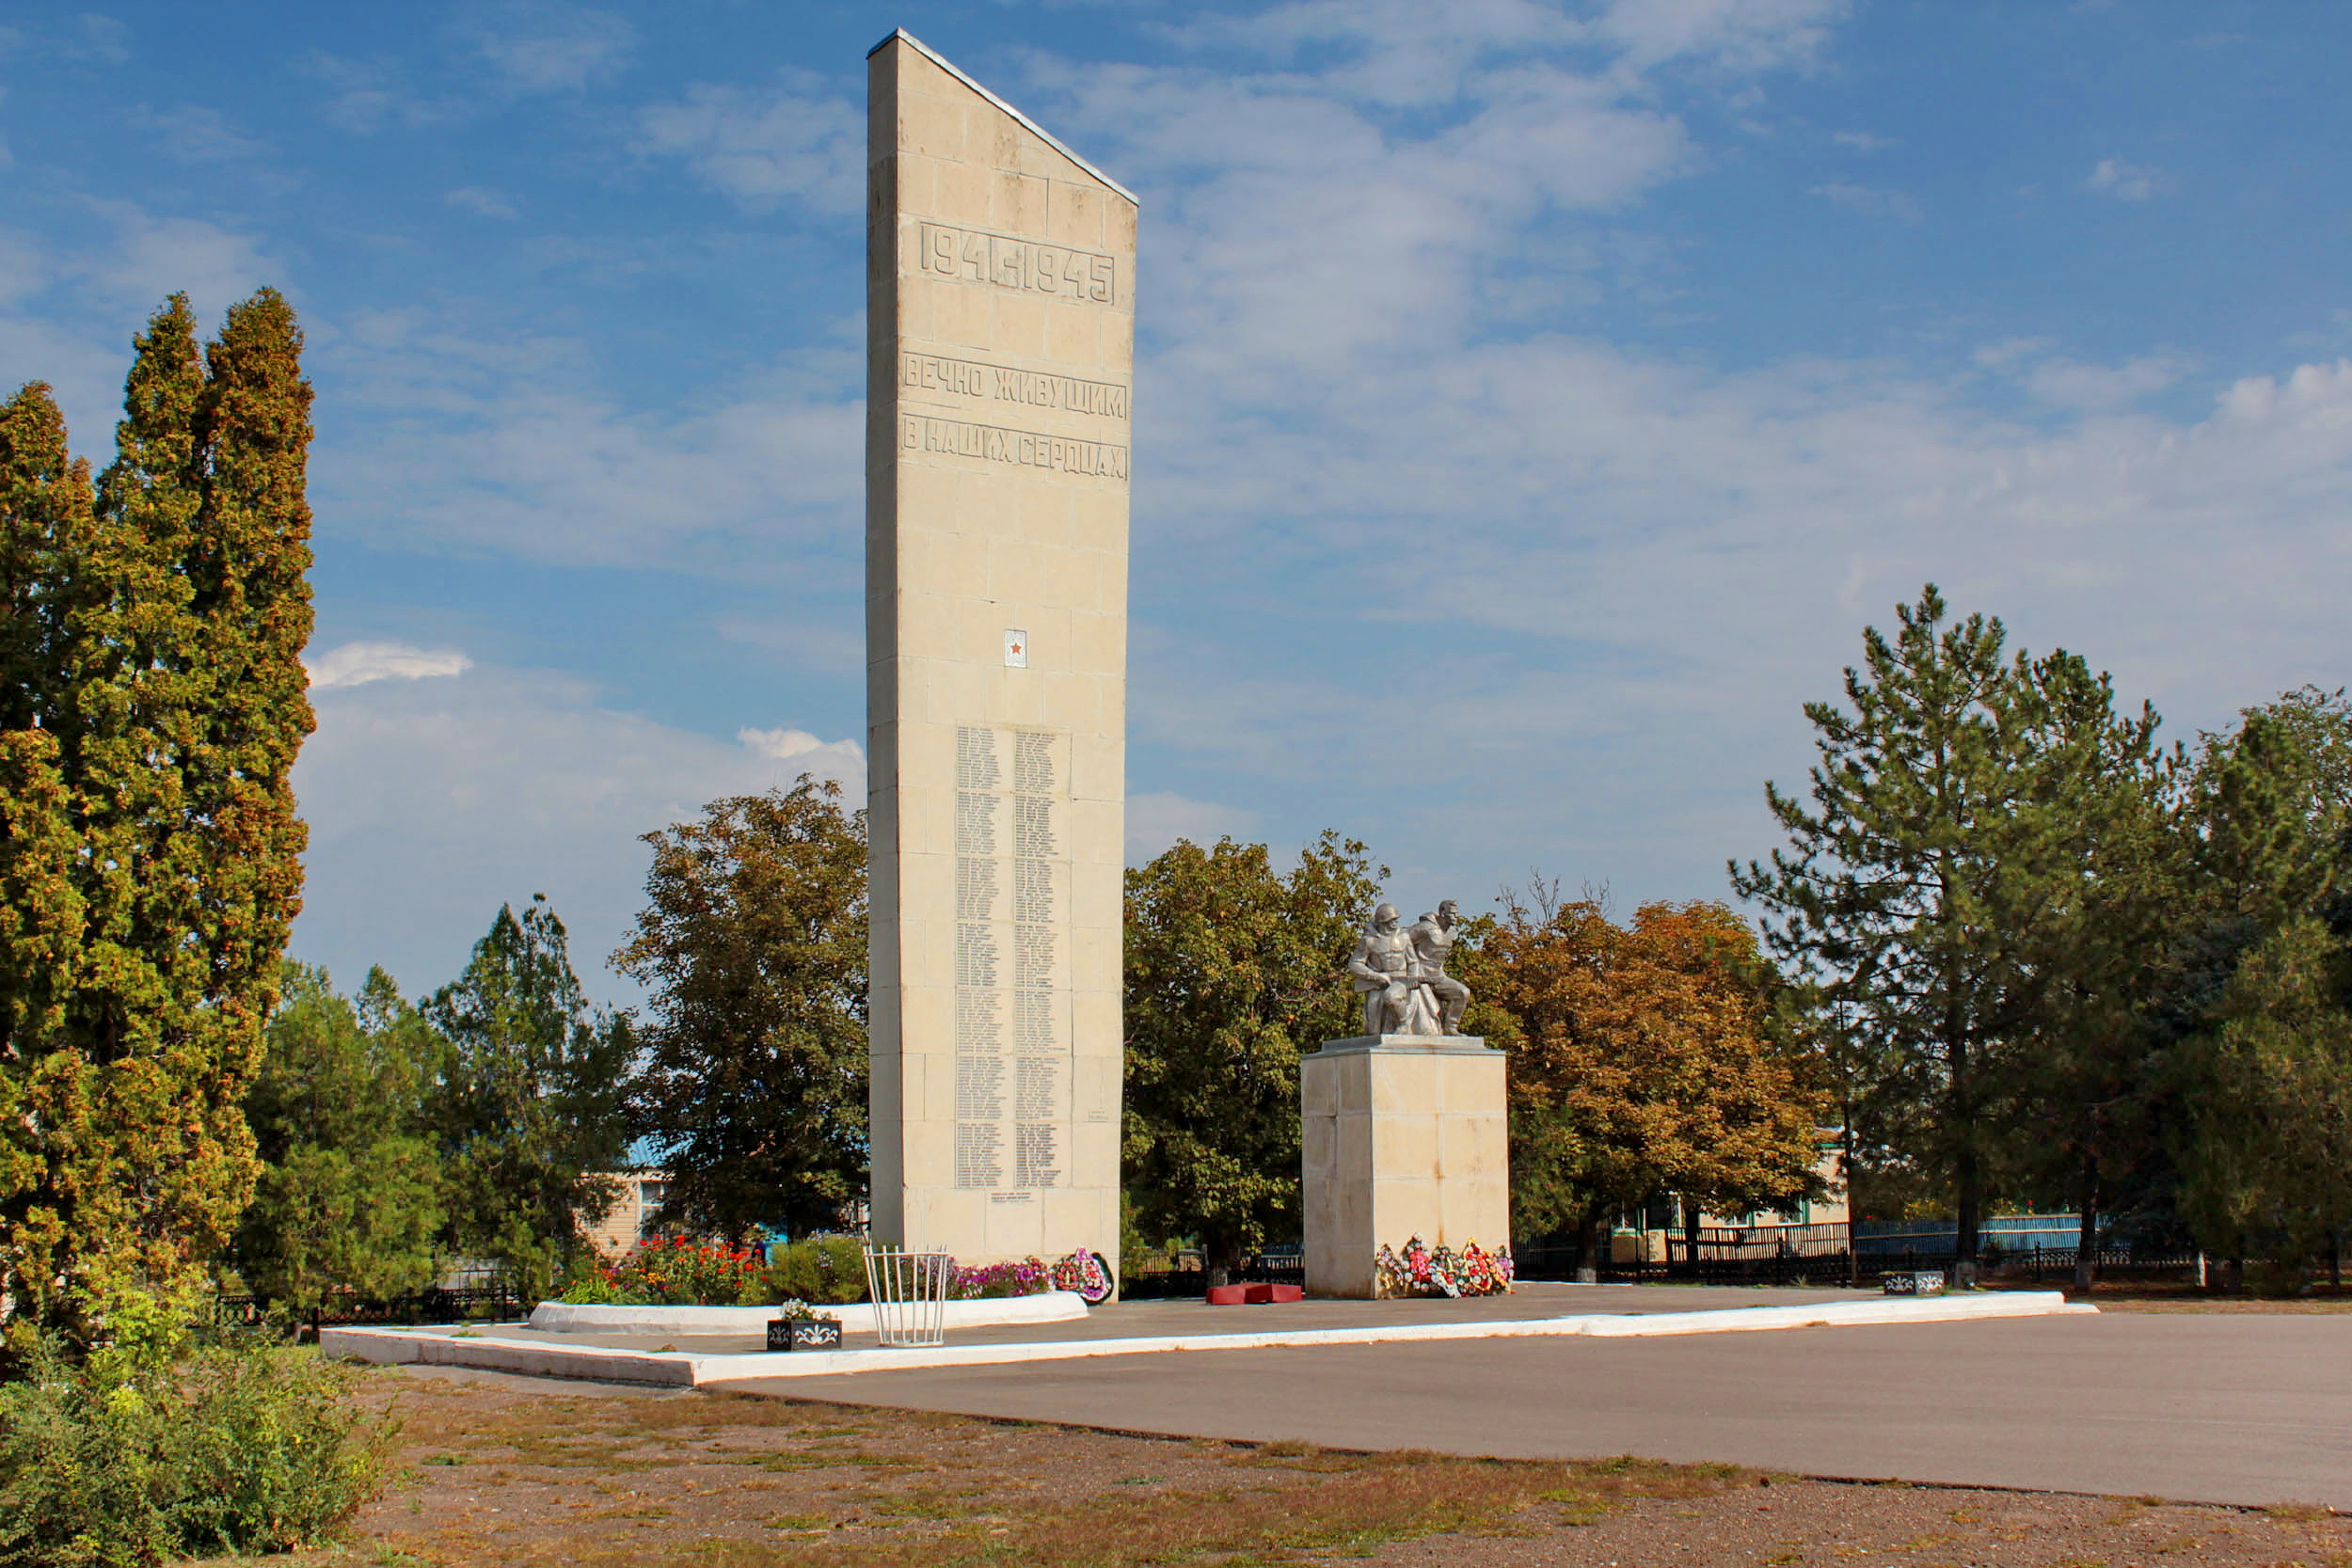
(1426, 1271)
(1085, 1272)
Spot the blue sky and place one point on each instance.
(1534, 401)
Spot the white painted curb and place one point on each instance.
(563, 1317)
(441, 1347)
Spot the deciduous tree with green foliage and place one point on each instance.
(350, 1192)
(1646, 1061)
(156, 701)
(527, 1100)
(753, 946)
(2260, 1074)
(1233, 969)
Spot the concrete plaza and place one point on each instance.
(2251, 1409)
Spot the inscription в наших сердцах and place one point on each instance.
(977, 256)
(982, 382)
(1020, 447)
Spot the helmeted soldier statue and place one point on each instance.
(1388, 974)
(1433, 943)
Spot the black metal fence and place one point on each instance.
(464, 1304)
(1175, 1284)
(1752, 1264)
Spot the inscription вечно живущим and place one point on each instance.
(1022, 448)
(982, 382)
(1008, 262)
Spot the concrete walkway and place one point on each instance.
(2234, 1409)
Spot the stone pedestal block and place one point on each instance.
(1404, 1135)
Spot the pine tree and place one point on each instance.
(753, 943)
(2094, 942)
(1906, 878)
(527, 1102)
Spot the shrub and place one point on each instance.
(827, 1269)
(592, 1286)
(240, 1448)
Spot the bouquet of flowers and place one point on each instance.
(1421, 1269)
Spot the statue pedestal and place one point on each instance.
(1404, 1135)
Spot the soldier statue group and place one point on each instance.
(1401, 974)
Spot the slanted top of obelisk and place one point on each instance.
(902, 36)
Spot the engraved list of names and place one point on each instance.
(1013, 1000)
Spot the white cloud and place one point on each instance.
(1745, 35)
(2124, 182)
(24, 269)
(196, 134)
(1866, 199)
(1648, 662)
(153, 257)
(1316, 235)
(357, 663)
(96, 38)
(1157, 818)
(368, 95)
(1863, 141)
(510, 444)
(67, 315)
(834, 759)
(2011, 351)
(479, 199)
(796, 142)
(2067, 383)
(537, 46)
(431, 802)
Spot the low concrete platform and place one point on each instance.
(1140, 1328)
(594, 1318)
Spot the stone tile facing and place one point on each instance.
(1402, 1136)
(1000, 294)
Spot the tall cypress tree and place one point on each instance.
(161, 708)
(45, 515)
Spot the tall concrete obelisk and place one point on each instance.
(1000, 323)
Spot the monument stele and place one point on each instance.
(1000, 320)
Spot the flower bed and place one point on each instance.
(1425, 1270)
(1081, 1271)
(675, 1272)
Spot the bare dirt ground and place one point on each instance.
(508, 1470)
(2189, 1298)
